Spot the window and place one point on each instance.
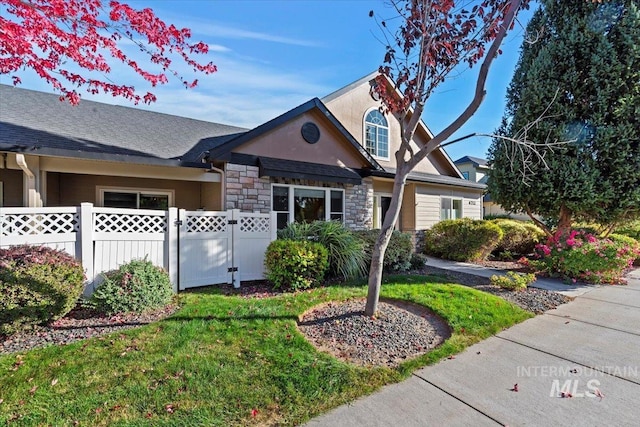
(376, 134)
(306, 204)
(450, 208)
(135, 198)
(465, 175)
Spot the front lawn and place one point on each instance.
(226, 360)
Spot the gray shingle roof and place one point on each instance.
(36, 119)
(433, 179)
(477, 161)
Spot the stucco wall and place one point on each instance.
(351, 109)
(71, 190)
(12, 187)
(286, 142)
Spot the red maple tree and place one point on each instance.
(59, 39)
(431, 39)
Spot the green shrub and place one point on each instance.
(462, 239)
(295, 264)
(398, 254)
(513, 281)
(581, 256)
(418, 261)
(630, 229)
(136, 287)
(346, 255)
(38, 284)
(518, 238)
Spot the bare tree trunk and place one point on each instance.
(565, 220)
(380, 247)
(539, 223)
(406, 166)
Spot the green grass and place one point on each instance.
(224, 360)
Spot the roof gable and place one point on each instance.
(475, 161)
(350, 105)
(286, 130)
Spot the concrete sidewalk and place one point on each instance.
(590, 345)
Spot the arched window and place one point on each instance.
(376, 132)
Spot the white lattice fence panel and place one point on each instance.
(206, 224)
(57, 228)
(252, 224)
(129, 223)
(205, 248)
(38, 223)
(251, 242)
(123, 235)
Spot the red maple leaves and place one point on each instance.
(59, 39)
(434, 38)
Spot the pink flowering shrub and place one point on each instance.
(581, 256)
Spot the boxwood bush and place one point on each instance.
(630, 229)
(462, 239)
(398, 254)
(38, 284)
(295, 264)
(135, 287)
(346, 252)
(513, 281)
(518, 238)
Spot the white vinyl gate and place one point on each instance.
(222, 247)
(196, 248)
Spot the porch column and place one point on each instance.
(30, 166)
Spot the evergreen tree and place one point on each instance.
(579, 68)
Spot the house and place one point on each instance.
(329, 158)
(477, 169)
(473, 168)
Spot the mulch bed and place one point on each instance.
(399, 332)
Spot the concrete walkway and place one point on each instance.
(589, 347)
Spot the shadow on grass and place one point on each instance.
(228, 318)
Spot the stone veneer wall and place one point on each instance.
(247, 191)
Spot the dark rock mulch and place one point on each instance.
(531, 299)
(399, 331)
(79, 324)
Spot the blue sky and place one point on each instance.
(275, 55)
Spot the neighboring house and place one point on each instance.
(477, 170)
(325, 159)
(474, 169)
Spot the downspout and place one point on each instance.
(223, 185)
(223, 181)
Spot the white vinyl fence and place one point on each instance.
(196, 248)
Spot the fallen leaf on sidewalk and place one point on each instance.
(515, 387)
(598, 393)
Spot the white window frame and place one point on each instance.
(451, 199)
(364, 135)
(100, 190)
(327, 200)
